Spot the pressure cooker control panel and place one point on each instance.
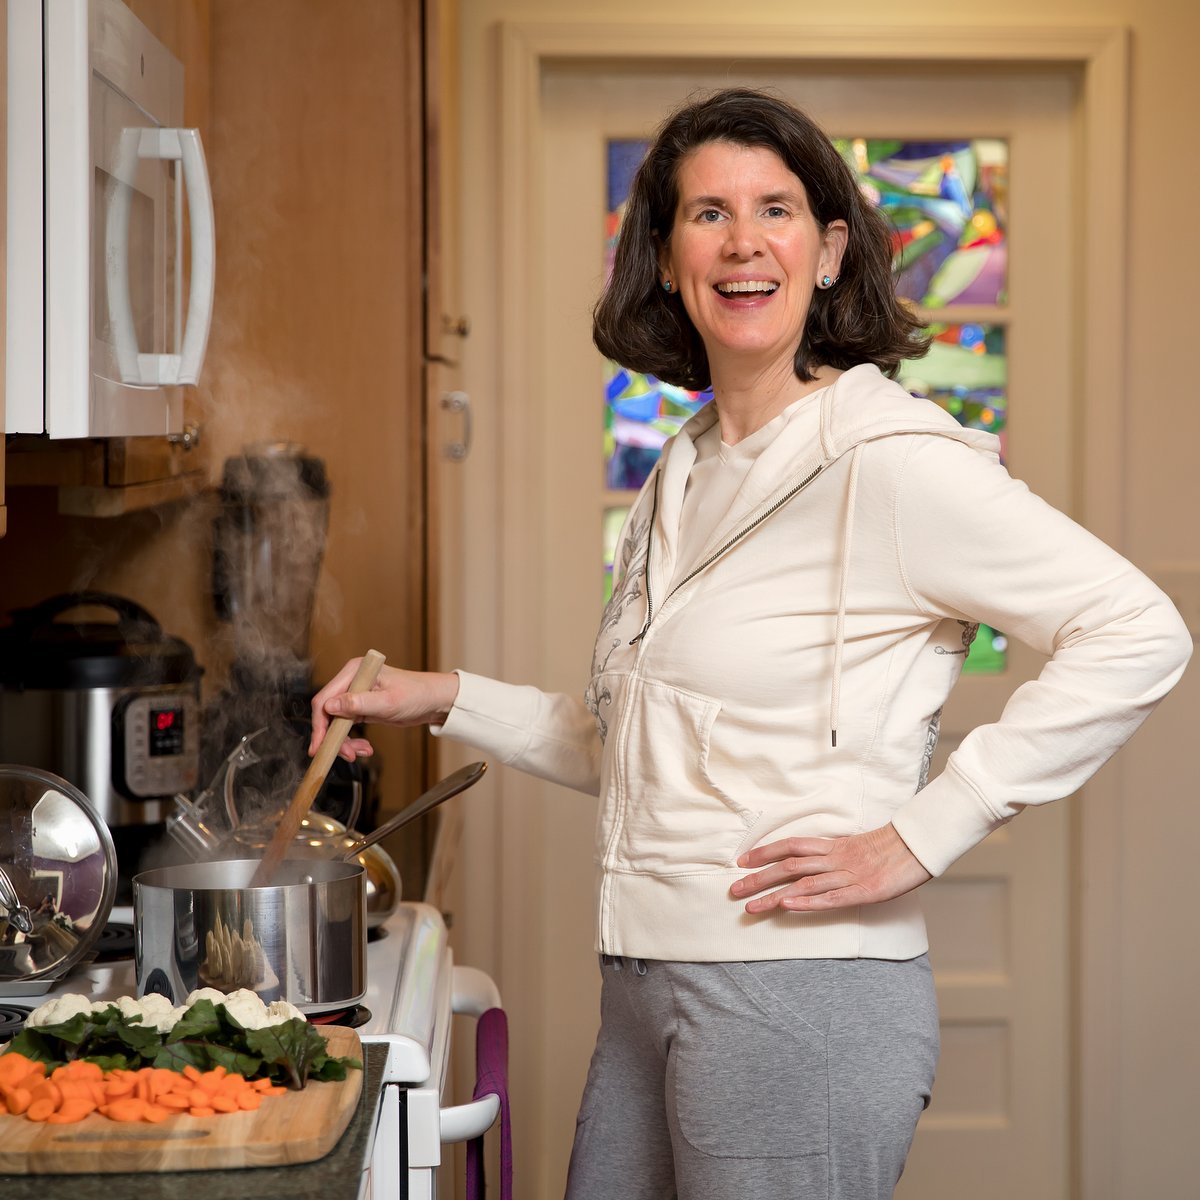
(161, 744)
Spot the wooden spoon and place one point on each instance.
(314, 777)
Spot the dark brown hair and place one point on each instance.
(858, 320)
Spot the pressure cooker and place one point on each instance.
(111, 705)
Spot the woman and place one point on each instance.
(799, 583)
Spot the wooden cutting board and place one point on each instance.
(294, 1128)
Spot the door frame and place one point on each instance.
(1098, 57)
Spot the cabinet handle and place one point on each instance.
(458, 402)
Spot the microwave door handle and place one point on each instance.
(116, 257)
(184, 367)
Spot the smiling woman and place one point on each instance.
(797, 585)
(744, 256)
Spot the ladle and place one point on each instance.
(310, 785)
(450, 786)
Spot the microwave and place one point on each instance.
(98, 340)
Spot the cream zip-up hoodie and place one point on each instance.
(790, 681)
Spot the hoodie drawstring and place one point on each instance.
(839, 629)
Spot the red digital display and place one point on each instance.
(166, 732)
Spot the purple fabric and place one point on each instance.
(491, 1077)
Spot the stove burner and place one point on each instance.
(115, 942)
(12, 1019)
(350, 1017)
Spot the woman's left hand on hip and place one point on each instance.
(824, 873)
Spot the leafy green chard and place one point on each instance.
(206, 1036)
(104, 1037)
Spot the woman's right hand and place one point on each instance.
(398, 697)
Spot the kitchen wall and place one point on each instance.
(311, 118)
(1144, 1148)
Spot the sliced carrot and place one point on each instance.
(39, 1110)
(260, 1085)
(14, 1066)
(155, 1114)
(162, 1079)
(37, 1070)
(231, 1085)
(120, 1085)
(224, 1104)
(126, 1109)
(249, 1101)
(174, 1102)
(274, 1091)
(46, 1090)
(191, 1073)
(70, 1112)
(202, 1110)
(83, 1070)
(16, 1099)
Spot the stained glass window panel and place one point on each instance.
(614, 518)
(947, 203)
(966, 372)
(987, 655)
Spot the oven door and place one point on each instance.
(413, 1126)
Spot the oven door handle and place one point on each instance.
(474, 994)
(462, 1122)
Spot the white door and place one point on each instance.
(999, 921)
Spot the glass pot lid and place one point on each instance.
(58, 862)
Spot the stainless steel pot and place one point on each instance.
(304, 939)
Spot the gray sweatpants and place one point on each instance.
(799, 1079)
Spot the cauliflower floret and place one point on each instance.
(247, 1009)
(60, 1009)
(204, 994)
(127, 1005)
(159, 1012)
(279, 1011)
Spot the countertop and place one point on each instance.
(337, 1176)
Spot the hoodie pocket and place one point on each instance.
(676, 820)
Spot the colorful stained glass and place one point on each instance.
(988, 653)
(966, 372)
(614, 518)
(947, 204)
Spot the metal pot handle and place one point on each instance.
(19, 916)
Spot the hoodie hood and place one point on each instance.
(861, 405)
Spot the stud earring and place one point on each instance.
(826, 281)
(666, 285)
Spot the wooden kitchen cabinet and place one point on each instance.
(314, 127)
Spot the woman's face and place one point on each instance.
(745, 254)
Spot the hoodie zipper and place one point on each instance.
(649, 542)
(619, 818)
(737, 537)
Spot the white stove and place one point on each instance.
(413, 988)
